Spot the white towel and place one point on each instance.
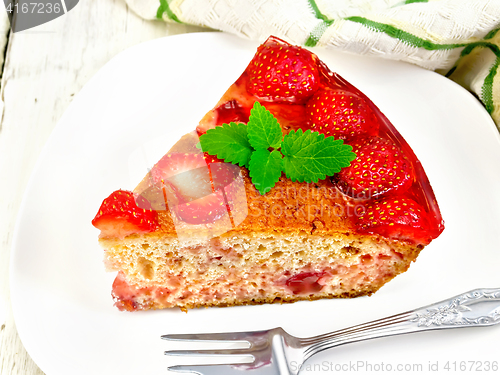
(457, 38)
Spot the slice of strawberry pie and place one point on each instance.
(294, 187)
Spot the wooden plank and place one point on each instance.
(44, 68)
(4, 34)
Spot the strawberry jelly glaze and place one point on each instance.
(232, 111)
(292, 116)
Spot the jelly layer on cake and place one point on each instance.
(209, 238)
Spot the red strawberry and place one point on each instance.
(341, 114)
(211, 159)
(221, 174)
(282, 73)
(398, 218)
(186, 174)
(123, 213)
(203, 210)
(195, 185)
(379, 168)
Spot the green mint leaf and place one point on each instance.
(228, 142)
(263, 128)
(265, 169)
(309, 156)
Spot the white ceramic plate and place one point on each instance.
(130, 114)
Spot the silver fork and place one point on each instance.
(275, 352)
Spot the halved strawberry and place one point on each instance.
(341, 114)
(204, 210)
(195, 185)
(398, 218)
(123, 213)
(282, 73)
(222, 174)
(380, 168)
(187, 174)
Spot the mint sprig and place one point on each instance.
(263, 128)
(265, 169)
(259, 145)
(310, 156)
(228, 142)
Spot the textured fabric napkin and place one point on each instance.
(457, 38)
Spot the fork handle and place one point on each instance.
(476, 308)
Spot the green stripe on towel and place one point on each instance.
(468, 50)
(487, 89)
(486, 95)
(319, 29)
(492, 33)
(404, 36)
(317, 12)
(164, 8)
(317, 33)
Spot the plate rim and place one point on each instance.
(14, 254)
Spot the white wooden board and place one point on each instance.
(44, 68)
